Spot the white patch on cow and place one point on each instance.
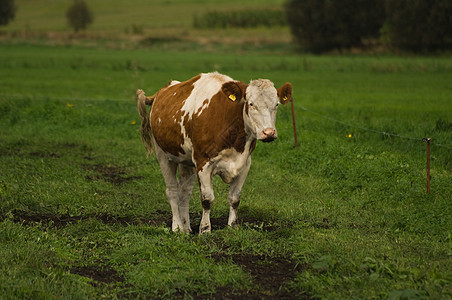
(174, 82)
(230, 163)
(262, 94)
(204, 88)
(187, 146)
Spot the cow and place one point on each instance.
(207, 126)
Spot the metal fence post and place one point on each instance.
(294, 126)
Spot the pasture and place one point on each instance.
(83, 212)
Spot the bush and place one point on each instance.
(242, 19)
(419, 25)
(7, 11)
(79, 15)
(322, 25)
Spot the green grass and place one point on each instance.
(50, 15)
(84, 215)
(158, 24)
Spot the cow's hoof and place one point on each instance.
(234, 225)
(205, 229)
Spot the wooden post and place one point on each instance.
(294, 126)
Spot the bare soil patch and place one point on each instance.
(156, 218)
(43, 154)
(114, 174)
(99, 274)
(59, 221)
(222, 222)
(270, 275)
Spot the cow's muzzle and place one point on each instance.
(268, 135)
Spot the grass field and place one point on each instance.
(164, 24)
(83, 212)
(345, 216)
(49, 15)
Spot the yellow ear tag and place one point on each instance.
(284, 98)
(232, 97)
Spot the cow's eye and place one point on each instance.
(277, 104)
(252, 105)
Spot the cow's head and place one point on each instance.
(261, 103)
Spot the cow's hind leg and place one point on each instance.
(187, 179)
(234, 194)
(207, 197)
(169, 170)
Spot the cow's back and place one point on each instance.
(176, 107)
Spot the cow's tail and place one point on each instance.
(145, 129)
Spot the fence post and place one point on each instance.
(294, 126)
(428, 163)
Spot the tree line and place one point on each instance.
(78, 15)
(409, 25)
(323, 25)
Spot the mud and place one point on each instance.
(243, 221)
(99, 274)
(113, 174)
(270, 274)
(156, 218)
(29, 218)
(45, 154)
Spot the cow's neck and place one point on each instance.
(250, 136)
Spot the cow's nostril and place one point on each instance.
(269, 132)
(268, 135)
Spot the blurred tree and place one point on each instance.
(7, 11)
(322, 25)
(419, 25)
(79, 15)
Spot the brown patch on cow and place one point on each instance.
(253, 146)
(166, 115)
(285, 93)
(232, 88)
(219, 126)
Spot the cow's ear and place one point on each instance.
(285, 93)
(234, 90)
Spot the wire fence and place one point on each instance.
(427, 140)
(372, 130)
(384, 133)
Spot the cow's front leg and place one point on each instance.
(234, 194)
(207, 197)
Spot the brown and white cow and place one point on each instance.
(208, 126)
